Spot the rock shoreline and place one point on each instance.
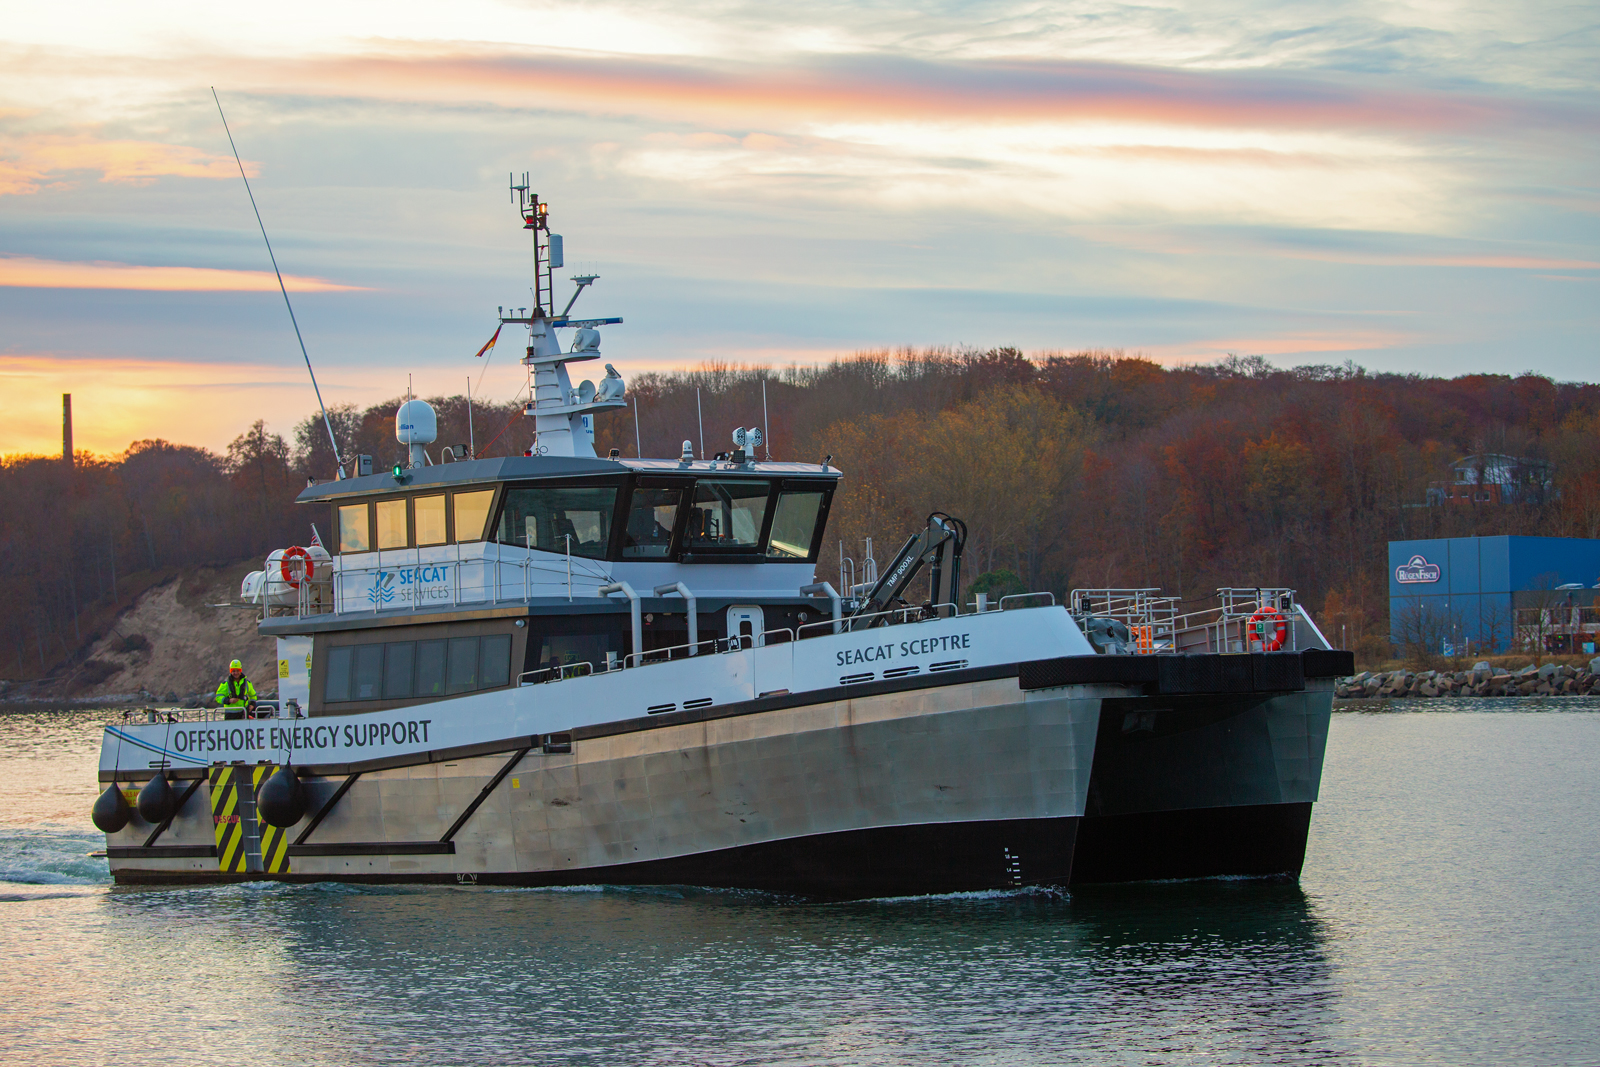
(1551, 679)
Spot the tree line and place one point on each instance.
(1084, 469)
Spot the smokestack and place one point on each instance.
(66, 428)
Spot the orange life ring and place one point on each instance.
(288, 575)
(1256, 628)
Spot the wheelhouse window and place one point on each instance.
(727, 514)
(472, 513)
(354, 532)
(548, 518)
(428, 512)
(794, 524)
(392, 532)
(652, 515)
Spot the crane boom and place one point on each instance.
(939, 547)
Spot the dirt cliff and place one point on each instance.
(174, 643)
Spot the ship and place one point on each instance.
(566, 669)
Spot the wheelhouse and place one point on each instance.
(694, 516)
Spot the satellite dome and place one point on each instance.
(415, 423)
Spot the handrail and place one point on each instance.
(849, 623)
(635, 613)
(694, 617)
(560, 671)
(1025, 596)
(489, 588)
(833, 596)
(641, 658)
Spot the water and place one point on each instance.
(1445, 916)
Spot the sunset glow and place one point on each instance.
(757, 185)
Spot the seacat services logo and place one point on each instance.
(382, 591)
(1416, 570)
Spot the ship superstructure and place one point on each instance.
(564, 668)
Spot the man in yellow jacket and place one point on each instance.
(236, 693)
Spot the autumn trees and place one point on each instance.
(1070, 469)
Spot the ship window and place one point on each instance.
(472, 511)
(429, 515)
(494, 667)
(463, 675)
(337, 685)
(354, 536)
(402, 669)
(545, 517)
(392, 524)
(398, 659)
(727, 514)
(366, 674)
(794, 525)
(430, 668)
(566, 650)
(651, 517)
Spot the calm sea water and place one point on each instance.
(1446, 915)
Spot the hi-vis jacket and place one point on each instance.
(235, 694)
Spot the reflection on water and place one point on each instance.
(1443, 917)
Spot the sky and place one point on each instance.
(1411, 185)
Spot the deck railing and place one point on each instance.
(1157, 625)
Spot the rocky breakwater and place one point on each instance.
(1551, 679)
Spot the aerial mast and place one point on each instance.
(563, 415)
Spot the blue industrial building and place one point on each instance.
(1478, 589)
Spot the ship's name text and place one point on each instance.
(923, 646)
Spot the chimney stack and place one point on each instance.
(66, 428)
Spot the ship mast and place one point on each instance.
(563, 416)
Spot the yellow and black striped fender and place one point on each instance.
(226, 819)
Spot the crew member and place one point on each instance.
(236, 693)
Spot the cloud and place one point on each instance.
(1349, 249)
(899, 88)
(31, 273)
(29, 162)
(1292, 343)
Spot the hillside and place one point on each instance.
(169, 646)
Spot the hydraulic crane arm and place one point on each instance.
(938, 547)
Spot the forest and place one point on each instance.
(1083, 469)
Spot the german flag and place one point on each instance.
(490, 346)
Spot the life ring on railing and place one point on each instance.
(289, 576)
(1270, 627)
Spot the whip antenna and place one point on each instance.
(285, 289)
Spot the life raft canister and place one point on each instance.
(289, 573)
(1270, 627)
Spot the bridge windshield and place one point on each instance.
(548, 518)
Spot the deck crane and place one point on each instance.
(939, 547)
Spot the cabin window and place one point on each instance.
(366, 673)
(428, 513)
(430, 668)
(494, 662)
(399, 660)
(398, 670)
(727, 514)
(337, 685)
(354, 535)
(472, 512)
(392, 531)
(463, 674)
(651, 516)
(794, 524)
(545, 518)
